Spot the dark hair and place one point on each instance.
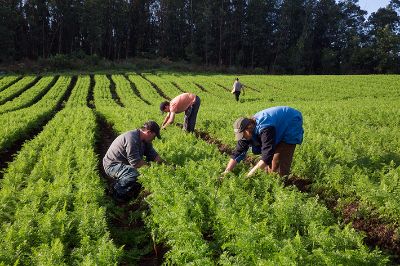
(163, 105)
(153, 127)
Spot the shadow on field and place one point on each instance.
(386, 159)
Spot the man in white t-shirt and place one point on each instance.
(237, 88)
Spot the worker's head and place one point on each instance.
(150, 130)
(237, 79)
(243, 128)
(164, 107)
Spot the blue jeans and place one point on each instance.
(125, 178)
(191, 115)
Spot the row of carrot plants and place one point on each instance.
(29, 96)
(240, 222)
(6, 81)
(351, 146)
(51, 197)
(16, 88)
(17, 125)
(349, 153)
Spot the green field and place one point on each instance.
(343, 209)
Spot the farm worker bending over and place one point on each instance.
(185, 102)
(237, 87)
(273, 133)
(125, 156)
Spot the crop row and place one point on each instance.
(350, 145)
(242, 217)
(16, 88)
(6, 81)
(18, 124)
(29, 96)
(349, 154)
(51, 196)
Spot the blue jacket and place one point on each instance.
(281, 118)
(273, 125)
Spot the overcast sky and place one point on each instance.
(372, 5)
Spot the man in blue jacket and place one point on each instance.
(273, 133)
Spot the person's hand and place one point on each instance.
(222, 175)
(251, 173)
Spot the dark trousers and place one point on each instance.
(191, 116)
(237, 93)
(125, 177)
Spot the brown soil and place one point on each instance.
(302, 184)
(378, 233)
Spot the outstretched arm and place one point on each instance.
(168, 120)
(165, 119)
(261, 164)
(229, 167)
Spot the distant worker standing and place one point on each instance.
(125, 156)
(273, 133)
(237, 87)
(185, 102)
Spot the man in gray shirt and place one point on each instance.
(125, 156)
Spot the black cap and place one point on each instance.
(153, 127)
(239, 126)
(162, 106)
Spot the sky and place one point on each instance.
(372, 5)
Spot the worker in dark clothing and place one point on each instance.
(125, 156)
(273, 133)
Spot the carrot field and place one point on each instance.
(340, 205)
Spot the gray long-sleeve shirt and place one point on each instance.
(127, 148)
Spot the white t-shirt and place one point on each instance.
(237, 86)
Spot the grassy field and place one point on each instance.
(339, 206)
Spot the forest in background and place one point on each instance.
(273, 36)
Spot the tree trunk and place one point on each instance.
(220, 33)
(60, 38)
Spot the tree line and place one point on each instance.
(278, 36)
